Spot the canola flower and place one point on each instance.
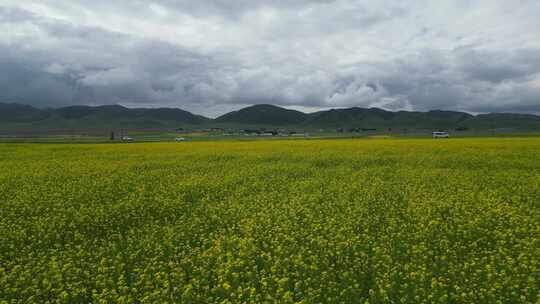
(304, 221)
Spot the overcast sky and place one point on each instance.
(211, 56)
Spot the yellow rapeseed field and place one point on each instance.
(298, 221)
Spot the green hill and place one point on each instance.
(378, 118)
(263, 115)
(24, 118)
(352, 117)
(18, 113)
(506, 120)
(15, 117)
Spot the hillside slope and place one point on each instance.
(263, 114)
(16, 117)
(23, 117)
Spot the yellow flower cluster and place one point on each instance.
(305, 221)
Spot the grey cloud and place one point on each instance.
(220, 8)
(311, 54)
(12, 15)
(26, 83)
(499, 66)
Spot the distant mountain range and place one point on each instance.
(17, 117)
(23, 118)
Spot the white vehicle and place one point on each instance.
(180, 139)
(127, 138)
(440, 134)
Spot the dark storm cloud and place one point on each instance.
(82, 64)
(23, 82)
(498, 66)
(210, 56)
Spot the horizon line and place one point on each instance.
(290, 107)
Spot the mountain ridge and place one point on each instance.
(263, 114)
(15, 116)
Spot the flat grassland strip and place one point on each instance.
(318, 221)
